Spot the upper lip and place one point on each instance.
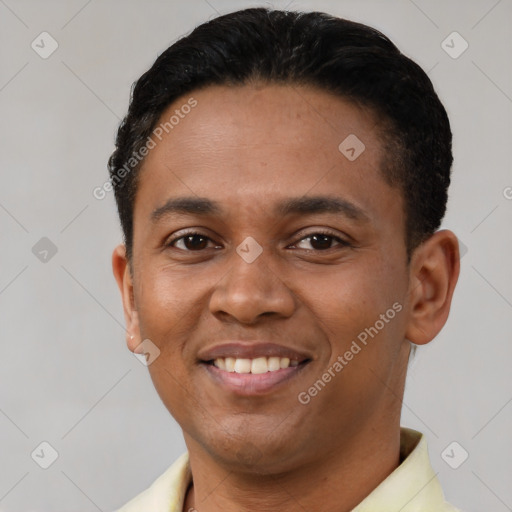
(246, 350)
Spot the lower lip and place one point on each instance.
(254, 384)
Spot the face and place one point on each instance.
(259, 245)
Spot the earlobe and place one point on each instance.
(123, 276)
(434, 271)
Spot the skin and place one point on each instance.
(248, 148)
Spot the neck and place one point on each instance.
(340, 482)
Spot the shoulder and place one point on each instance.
(167, 492)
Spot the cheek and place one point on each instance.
(169, 309)
(164, 295)
(361, 300)
(361, 314)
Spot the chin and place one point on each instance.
(265, 456)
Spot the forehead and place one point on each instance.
(265, 115)
(263, 142)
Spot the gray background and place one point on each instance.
(67, 377)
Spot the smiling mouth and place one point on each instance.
(254, 377)
(253, 369)
(257, 365)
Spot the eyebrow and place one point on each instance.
(320, 204)
(294, 206)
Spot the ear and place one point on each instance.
(122, 273)
(434, 270)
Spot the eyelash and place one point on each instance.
(341, 242)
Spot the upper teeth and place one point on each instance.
(257, 365)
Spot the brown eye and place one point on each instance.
(320, 242)
(190, 242)
(195, 242)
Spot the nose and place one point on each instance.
(248, 291)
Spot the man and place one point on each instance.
(280, 179)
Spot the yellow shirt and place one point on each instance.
(412, 487)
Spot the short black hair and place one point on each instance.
(349, 59)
